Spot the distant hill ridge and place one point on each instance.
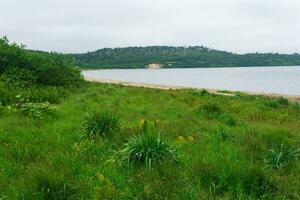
(178, 57)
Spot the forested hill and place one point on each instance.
(179, 57)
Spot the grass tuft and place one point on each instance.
(100, 124)
(228, 119)
(210, 110)
(222, 133)
(148, 150)
(282, 156)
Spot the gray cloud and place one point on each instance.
(79, 26)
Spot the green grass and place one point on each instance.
(100, 124)
(147, 149)
(243, 147)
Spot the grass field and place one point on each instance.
(240, 147)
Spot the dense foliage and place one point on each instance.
(180, 57)
(37, 76)
(25, 68)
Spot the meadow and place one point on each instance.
(102, 141)
(63, 138)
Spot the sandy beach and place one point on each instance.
(292, 98)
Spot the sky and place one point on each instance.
(71, 26)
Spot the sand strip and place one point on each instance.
(294, 98)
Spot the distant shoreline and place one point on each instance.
(292, 98)
(125, 68)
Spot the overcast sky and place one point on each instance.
(85, 25)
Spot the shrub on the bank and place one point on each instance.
(24, 68)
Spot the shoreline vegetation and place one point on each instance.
(64, 138)
(147, 67)
(292, 98)
(178, 57)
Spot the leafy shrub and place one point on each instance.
(228, 119)
(12, 55)
(24, 68)
(18, 78)
(147, 149)
(34, 110)
(282, 156)
(59, 76)
(210, 110)
(100, 124)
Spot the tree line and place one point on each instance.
(22, 68)
(179, 57)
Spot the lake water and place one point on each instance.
(280, 80)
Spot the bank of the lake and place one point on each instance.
(272, 81)
(292, 98)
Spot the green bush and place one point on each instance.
(18, 78)
(59, 76)
(148, 150)
(100, 124)
(282, 156)
(24, 68)
(12, 55)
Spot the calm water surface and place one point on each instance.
(281, 80)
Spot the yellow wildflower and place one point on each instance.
(191, 139)
(101, 178)
(142, 123)
(180, 139)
